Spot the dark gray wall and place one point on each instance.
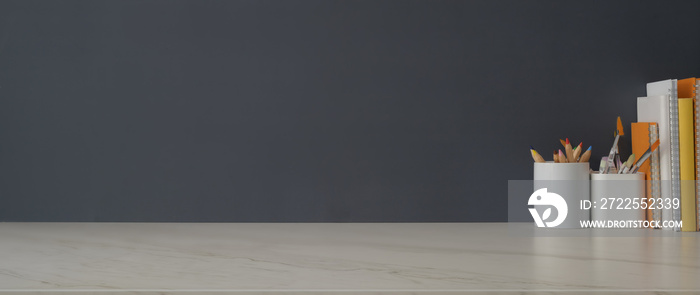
(312, 110)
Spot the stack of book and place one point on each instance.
(671, 113)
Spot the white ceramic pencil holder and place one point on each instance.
(617, 198)
(571, 182)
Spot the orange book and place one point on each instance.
(686, 88)
(644, 134)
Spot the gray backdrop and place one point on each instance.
(309, 111)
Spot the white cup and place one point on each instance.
(571, 181)
(615, 196)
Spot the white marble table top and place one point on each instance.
(335, 258)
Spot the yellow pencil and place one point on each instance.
(536, 156)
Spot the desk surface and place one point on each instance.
(368, 258)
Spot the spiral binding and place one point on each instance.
(675, 157)
(655, 172)
(696, 94)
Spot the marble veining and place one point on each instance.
(330, 258)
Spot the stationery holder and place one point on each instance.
(571, 181)
(613, 197)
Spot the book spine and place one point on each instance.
(686, 133)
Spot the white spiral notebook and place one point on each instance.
(656, 109)
(668, 89)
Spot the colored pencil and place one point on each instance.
(569, 152)
(562, 157)
(536, 156)
(577, 152)
(586, 155)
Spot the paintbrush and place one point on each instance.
(613, 150)
(627, 165)
(644, 157)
